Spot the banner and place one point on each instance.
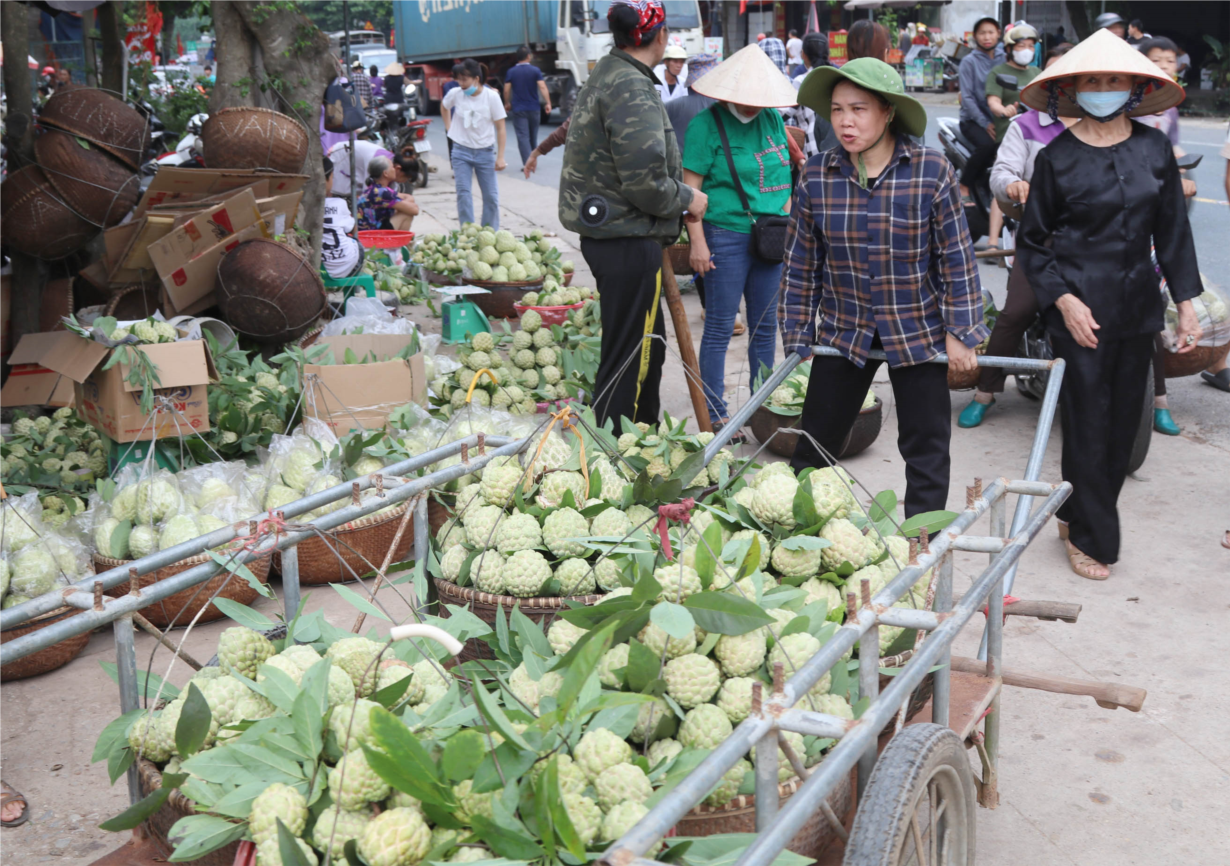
(142, 39)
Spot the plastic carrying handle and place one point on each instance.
(432, 632)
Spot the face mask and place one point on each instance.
(743, 118)
(471, 90)
(1104, 104)
(1023, 56)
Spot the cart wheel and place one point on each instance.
(919, 804)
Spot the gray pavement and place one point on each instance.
(1079, 784)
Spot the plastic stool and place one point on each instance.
(350, 284)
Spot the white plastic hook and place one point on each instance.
(432, 632)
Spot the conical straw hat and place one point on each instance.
(748, 77)
(1101, 53)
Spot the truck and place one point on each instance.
(567, 37)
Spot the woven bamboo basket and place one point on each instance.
(177, 806)
(502, 299)
(92, 182)
(361, 544)
(100, 119)
(739, 816)
(780, 431)
(1191, 363)
(35, 219)
(679, 258)
(54, 656)
(269, 292)
(134, 302)
(484, 605)
(920, 695)
(965, 381)
(254, 138)
(179, 609)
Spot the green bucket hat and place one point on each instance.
(816, 92)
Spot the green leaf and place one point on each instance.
(805, 542)
(237, 803)
(506, 842)
(561, 822)
(288, 848)
(119, 539)
(359, 602)
(804, 507)
(463, 752)
(400, 759)
(589, 652)
(687, 470)
(148, 684)
(642, 668)
(309, 722)
(118, 763)
(531, 634)
(674, 619)
(934, 521)
(194, 721)
(261, 761)
(244, 615)
(137, 813)
(883, 505)
(707, 551)
(198, 835)
(115, 735)
(726, 614)
(389, 696)
(514, 762)
(278, 687)
(494, 714)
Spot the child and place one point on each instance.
(341, 254)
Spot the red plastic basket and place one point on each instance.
(378, 239)
(550, 315)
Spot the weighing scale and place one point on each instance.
(462, 318)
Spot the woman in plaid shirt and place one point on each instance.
(878, 255)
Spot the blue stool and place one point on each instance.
(349, 284)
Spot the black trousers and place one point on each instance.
(1020, 310)
(1100, 407)
(629, 276)
(982, 157)
(835, 394)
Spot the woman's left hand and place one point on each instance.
(500, 164)
(1189, 331)
(1189, 188)
(961, 357)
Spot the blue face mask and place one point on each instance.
(1102, 105)
(471, 90)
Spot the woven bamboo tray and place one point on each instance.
(35, 220)
(362, 545)
(54, 656)
(1191, 363)
(100, 118)
(180, 608)
(739, 816)
(484, 605)
(780, 431)
(92, 182)
(177, 806)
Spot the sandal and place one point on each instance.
(9, 796)
(1083, 563)
(1063, 530)
(739, 437)
(1219, 380)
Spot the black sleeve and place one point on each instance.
(1172, 236)
(1041, 216)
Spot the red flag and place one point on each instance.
(742, 7)
(179, 46)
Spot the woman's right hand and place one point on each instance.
(1018, 191)
(1079, 320)
(699, 257)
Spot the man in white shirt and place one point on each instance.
(364, 153)
(672, 73)
(341, 254)
(474, 117)
(794, 49)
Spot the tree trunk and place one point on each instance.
(111, 25)
(169, 14)
(91, 61)
(29, 273)
(1080, 21)
(295, 65)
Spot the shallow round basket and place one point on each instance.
(35, 219)
(134, 302)
(439, 279)
(100, 119)
(501, 300)
(739, 816)
(550, 315)
(963, 381)
(484, 605)
(92, 182)
(921, 694)
(361, 545)
(781, 434)
(179, 609)
(54, 656)
(269, 292)
(254, 138)
(176, 806)
(1191, 363)
(679, 258)
(380, 239)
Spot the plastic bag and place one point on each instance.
(20, 522)
(1213, 312)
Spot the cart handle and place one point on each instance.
(431, 632)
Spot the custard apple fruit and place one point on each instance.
(622, 783)
(620, 819)
(487, 572)
(480, 524)
(728, 788)
(397, 837)
(500, 478)
(585, 815)
(796, 563)
(735, 698)
(242, 651)
(834, 705)
(822, 590)
(659, 642)
(741, 654)
(612, 523)
(556, 484)
(270, 854)
(335, 827)
(283, 664)
(704, 727)
(598, 751)
(575, 577)
(765, 551)
(560, 530)
(277, 801)
(654, 720)
(773, 501)
(678, 582)
(563, 635)
(691, 679)
(353, 783)
(145, 738)
(452, 562)
(518, 532)
(662, 751)
(611, 667)
(847, 544)
(772, 470)
(525, 572)
(470, 804)
(793, 651)
(142, 541)
(831, 499)
(361, 668)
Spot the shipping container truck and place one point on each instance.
(567, 37)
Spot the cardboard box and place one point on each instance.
(128, 245)
(205, 230)
(60, 366)
(280, 212)
(183, 185)
(353, 396)
(189, 284)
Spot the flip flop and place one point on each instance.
(1219, 380)
(1225, 539)
(10, 795)
(739, 438)
(1082, 563)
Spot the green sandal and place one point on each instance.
(972, 415)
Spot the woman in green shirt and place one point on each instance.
(745, 85)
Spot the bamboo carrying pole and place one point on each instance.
(687, 352)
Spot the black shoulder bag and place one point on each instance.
(768, 232)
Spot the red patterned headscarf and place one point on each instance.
(651, 14)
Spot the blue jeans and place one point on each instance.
(482, 163)
(526, 125)
(737, 273)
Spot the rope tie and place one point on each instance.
(564, 417)
(274, 524)
(680, 512)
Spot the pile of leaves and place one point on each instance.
(59, 455)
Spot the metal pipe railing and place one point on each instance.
(113, 577)
(112, 608)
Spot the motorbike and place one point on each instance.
(189, 152)
(404, 133)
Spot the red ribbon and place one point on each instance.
(264, 526)
(246, 855)
(680, 512)
(1008, 599)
